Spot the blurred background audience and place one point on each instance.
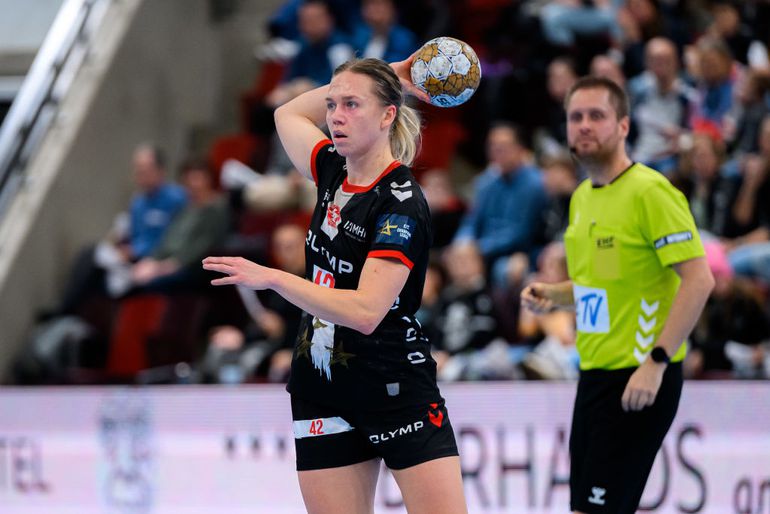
(496, 173)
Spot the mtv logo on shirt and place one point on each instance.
(591, 310)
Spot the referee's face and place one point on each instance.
(594, 132)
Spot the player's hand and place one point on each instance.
(539, 297)
(239, 271)
(404, 74)
(643, 386)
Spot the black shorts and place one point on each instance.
(612, 451)
(326, 437)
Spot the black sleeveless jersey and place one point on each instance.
(336, 365)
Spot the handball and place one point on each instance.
(448, 70)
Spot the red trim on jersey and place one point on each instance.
(350, 188)
(394, 254)
(314, 154)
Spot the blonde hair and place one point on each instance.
(405, 130)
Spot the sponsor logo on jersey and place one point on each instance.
(394, 229)
(332, 219)
(337, 265)
(679, 237)
(401, 191)
(592, 313)
(355, 230)
(323, 277)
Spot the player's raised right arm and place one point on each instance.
(298, 122)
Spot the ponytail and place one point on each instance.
(405, 135)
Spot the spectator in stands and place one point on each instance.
(262, 349)
(727, 26)
(661, 107)
(446, 207)
(564, 20)
(560, 179)
(551, 139)
(198, 228)
(285, 23)
(750, 253)
(711, 196)
(749, 110)
(553, 333)
(466, 323)
(508, 204)
(103, 268)
(380, 35)
(640, 21)
(733, 325)
(607, 65)
(715, 81)
(322, 49)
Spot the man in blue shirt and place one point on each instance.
(509, 201)
(153, 206)
(105, 267)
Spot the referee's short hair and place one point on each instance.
(618, 97)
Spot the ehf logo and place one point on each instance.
(394, 229)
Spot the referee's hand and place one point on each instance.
(538, 297)
(643, 386)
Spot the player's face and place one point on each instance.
(355, 116)
(593, 130)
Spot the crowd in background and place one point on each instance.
(496, 173)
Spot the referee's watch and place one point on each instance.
(659, 355)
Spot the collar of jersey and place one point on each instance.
(622, 173)
(351, 188)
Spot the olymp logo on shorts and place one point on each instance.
(592, 311)
(394, 229)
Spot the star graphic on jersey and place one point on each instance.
(385, 230)
(340, 356)
(304, 346)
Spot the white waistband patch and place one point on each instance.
(321, 426)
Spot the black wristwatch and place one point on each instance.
(659, 355)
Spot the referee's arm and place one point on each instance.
(697, 283)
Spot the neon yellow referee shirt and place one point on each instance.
(621, 242)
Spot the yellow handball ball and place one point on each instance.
(448, 70)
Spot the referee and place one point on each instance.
(638, 282)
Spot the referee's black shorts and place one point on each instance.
(327, 437)
(612, 451)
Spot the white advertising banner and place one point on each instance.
(191, 450)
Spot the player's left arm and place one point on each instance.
(694, 289)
